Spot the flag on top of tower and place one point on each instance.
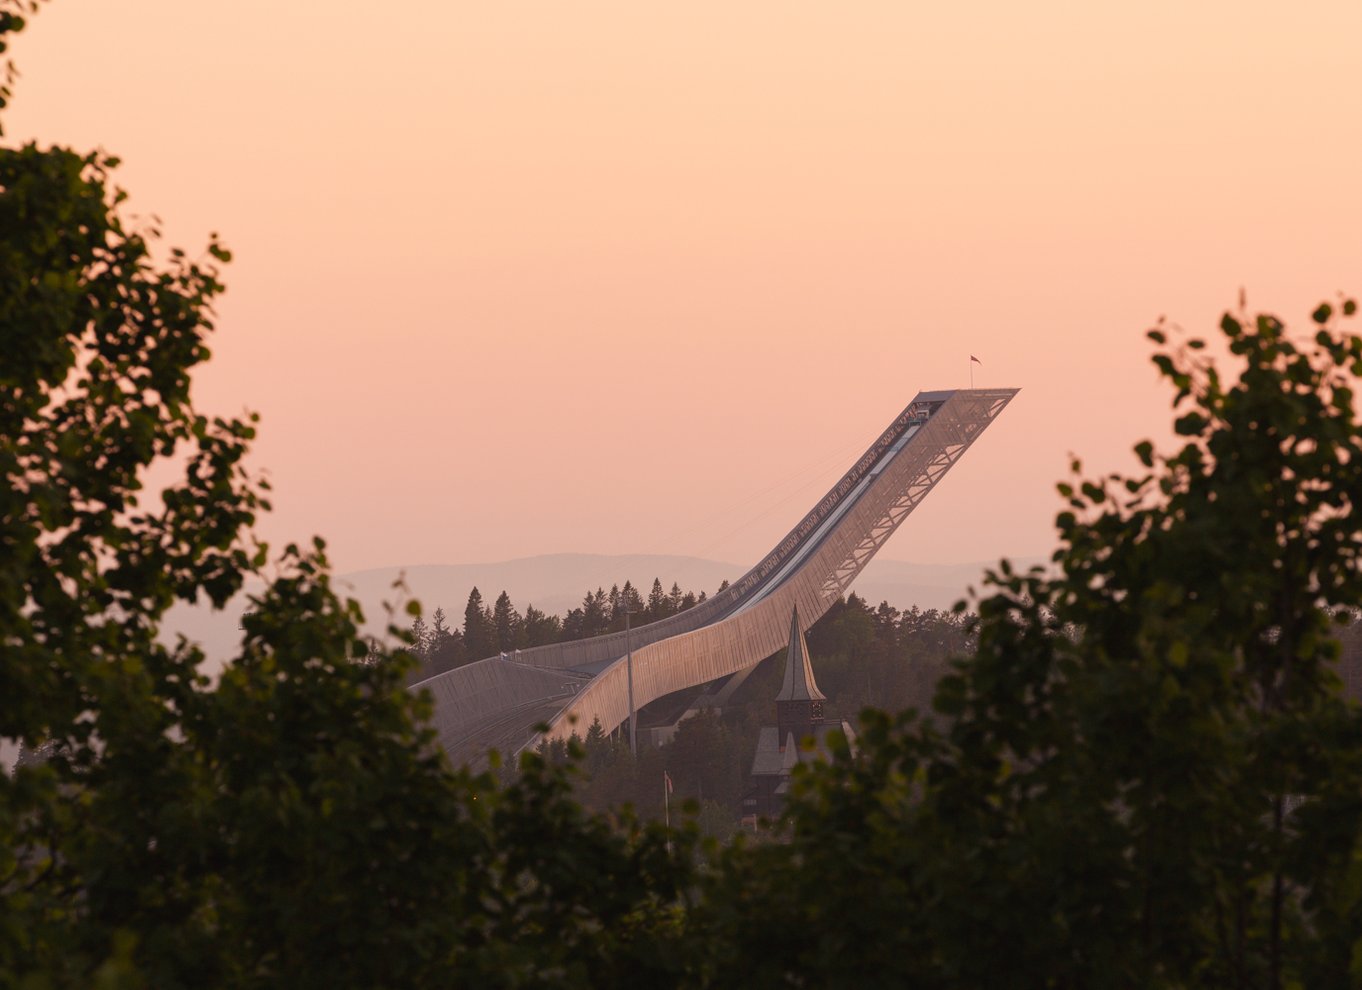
(975, 359)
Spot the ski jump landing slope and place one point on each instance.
(496, 703)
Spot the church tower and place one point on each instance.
(799, 705)
(799, 715)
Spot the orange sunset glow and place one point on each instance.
(525, 278)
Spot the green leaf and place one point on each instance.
(1191, 424)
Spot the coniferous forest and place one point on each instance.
(488, 630)
(1137, 769)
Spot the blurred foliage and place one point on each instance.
(1146, 775)
(291, 823)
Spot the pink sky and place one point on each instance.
(520, 278)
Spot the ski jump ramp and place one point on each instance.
(496, 703)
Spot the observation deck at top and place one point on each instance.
(495, 703)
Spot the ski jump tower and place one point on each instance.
(496, 703)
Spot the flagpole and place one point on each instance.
(629, 662)
(667, 806)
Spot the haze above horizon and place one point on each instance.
(516, 280)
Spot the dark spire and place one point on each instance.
(799, 684)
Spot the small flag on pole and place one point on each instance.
(667, 806)
(975, 359)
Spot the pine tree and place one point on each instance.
(597, 747)
(439, 634)
(479, 635)
(449, 654)
(420, 637)
(507, 623)
(594, 617)
(573, 623)
(657, 602)
(633, 601)
(541, 629)
(674, 599)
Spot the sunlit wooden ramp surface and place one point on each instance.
(495, 703)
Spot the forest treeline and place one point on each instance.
(501, 628)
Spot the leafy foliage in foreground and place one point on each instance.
(289, 824)
(1148, 777)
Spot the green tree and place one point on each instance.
(170, 830)
(595, 619)
(479, 632)
(444, 649)
(1147, 776)
(439, 632)
(630, 600)
(657, 602)
(541, 629)
(289, 824)
(507, 623)
(420, 638)
(705, 762)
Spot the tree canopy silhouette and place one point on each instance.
(291, 823)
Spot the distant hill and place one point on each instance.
(556, 582)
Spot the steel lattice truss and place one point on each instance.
(496, 702)
(971, 416)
